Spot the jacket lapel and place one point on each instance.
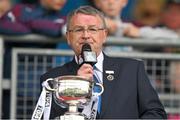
(108, 65)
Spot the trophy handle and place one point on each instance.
(48, 87)
(102, 89)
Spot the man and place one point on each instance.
(8, 22)
(128, 93)
(42, 18)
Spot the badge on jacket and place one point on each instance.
(110, 75)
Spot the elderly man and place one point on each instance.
(42, 18)
(128, 93)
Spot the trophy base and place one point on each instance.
(72, 117)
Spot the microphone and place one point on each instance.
(88, 55)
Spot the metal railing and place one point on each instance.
(144, 42)
(29, 64)
(1, 74)
(32, 38)
(140, 42)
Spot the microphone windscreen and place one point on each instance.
(88, 55)
(86, 47)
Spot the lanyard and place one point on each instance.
(44, 104)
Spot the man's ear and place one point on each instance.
(67, 38)
(105, 36)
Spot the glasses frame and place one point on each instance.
(83, 30)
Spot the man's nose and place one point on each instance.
(111, 2)
(85, 34)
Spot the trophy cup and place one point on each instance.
(73, 92)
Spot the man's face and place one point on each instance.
(54, 4)
(86, 29)
(111, 8)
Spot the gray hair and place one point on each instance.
(87, 10)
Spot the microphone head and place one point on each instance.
(86, 47)
(88, 55)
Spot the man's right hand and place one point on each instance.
(86, 70)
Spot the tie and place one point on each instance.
(97, 89)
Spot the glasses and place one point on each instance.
(90, 30)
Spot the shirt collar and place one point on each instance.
(78, 61)
(99, 64)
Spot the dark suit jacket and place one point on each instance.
(129, 95)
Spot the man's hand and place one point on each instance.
(86, 70)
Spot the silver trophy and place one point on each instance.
(73, 92)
